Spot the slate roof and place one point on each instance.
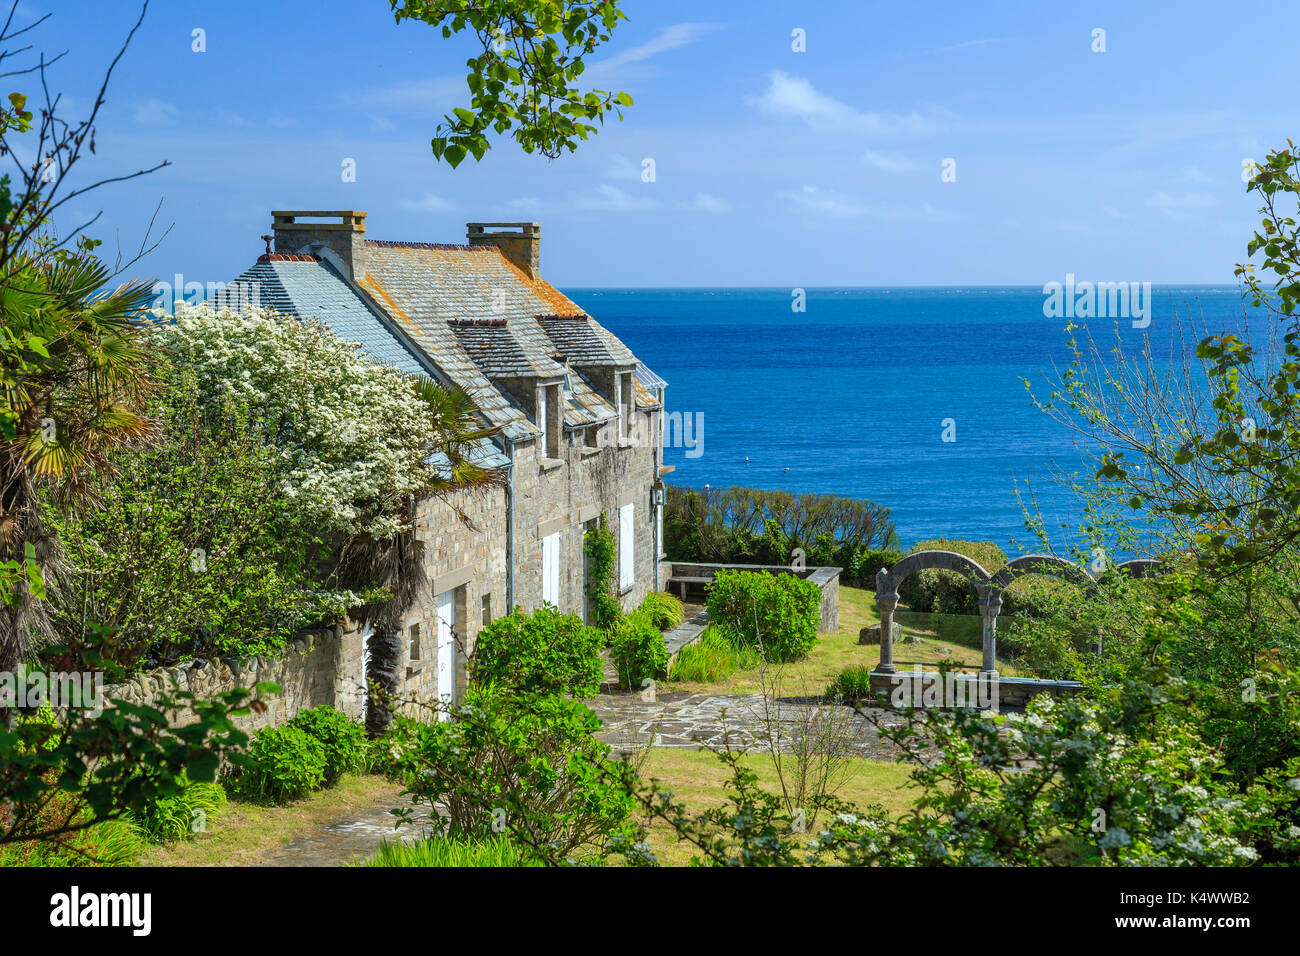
(580, 339)
(309, 288)
(463, 314)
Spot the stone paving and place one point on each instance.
(350, 839)
(694, 720)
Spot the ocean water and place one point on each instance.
(850, 396)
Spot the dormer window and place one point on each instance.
(550, 419)
(544, 444)
(624, 388)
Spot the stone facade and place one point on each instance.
(565, 496)
(577, 416)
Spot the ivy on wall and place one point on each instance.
(599, 548)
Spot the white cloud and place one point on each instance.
(525, 203)
(793, 97)
(887, 163)
(971, 43)
(622, 167)
(429, 203)
(1192, 174)
(825, 203)
(1182, 202)
(381, 125)
(706, 202)
(669, 38)
(612, 199)
(154, 112)
(410, 94)
(816, 202)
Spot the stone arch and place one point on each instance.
(1043, 564)
(1139, 567)
(988, 588)
(888, 579)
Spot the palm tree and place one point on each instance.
(74, 379)
(397, 564)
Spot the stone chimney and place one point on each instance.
(520, 242)
(346, 237)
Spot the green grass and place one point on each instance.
(699, 778)
(954, 638)
(109, 843)
(246, 831)
(446, 851)
(711, 658)
(852, 684)
(169, 819)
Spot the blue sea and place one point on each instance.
(850, 396)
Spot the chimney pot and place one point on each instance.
(520, 242)
(346, 237)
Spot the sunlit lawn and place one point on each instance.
(699, 778)
(950, 637)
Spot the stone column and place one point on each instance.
(990, 603)
(886, 602)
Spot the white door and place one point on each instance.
(551, 569)
(626, 547)
(446, 649)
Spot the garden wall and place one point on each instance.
(322, 666)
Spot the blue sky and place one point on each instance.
(773, 167)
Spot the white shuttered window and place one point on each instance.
(626, 547)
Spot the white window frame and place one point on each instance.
(626, 546)
(618, 395)
(545, 441)
(551, 569)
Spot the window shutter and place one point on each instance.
(626, 547)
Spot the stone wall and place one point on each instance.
(1008, 692)
(550, 496)
(321, 666)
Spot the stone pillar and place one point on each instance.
(886, 602)
(990, 603)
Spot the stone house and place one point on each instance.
(580, 417)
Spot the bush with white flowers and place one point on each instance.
(350, 436)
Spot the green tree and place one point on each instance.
(526, 80)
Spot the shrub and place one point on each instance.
(638, 650)
(751, 526)
(545, 652)
(949, 592)
(168, 819)
(282, 764)
(778, 613)
(186, 554)
(1037, 596)
(350, 436)
(343, 740)
(713, 657)
(529, 763)
(851, 684)
(601, 553)
(445, 851)
(866, 563)
(664, 609)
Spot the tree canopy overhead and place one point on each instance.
(526, 80)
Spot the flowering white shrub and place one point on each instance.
(351, 436)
